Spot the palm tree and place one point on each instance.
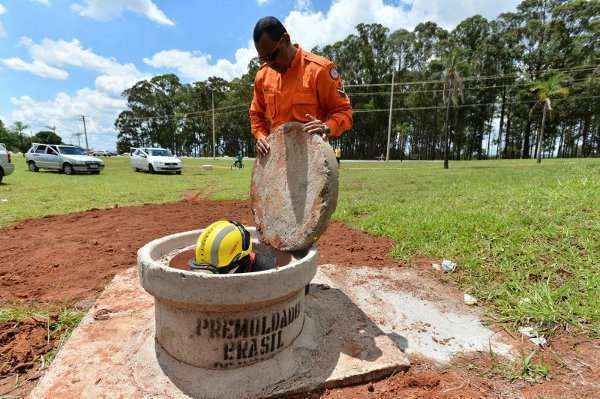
(19, 129)
(545, 91)
(453, 92)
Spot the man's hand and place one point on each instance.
(315, 126)
(262, 147)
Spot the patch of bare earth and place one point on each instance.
(67, 260)
(23, 345)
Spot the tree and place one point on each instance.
(402, 129)
(545, 91)
(23, 142)
(47, 137)
(497, 58)
(7, 137)
(453, 92)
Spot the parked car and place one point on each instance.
(103, 153)
(6, 165)
(155, 160)
(66, 158)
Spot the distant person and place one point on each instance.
(238, 163)
(338, 154)
(294, 85)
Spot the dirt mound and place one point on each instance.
(68, 257)
(22, 344)
(423, 381)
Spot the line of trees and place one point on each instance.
(523, 85)
(15, 138)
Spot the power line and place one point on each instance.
(187, 115)
(440, 107)
(387, 93)
(225, 112)
(464, 105)
(193, 115)
(487, 77)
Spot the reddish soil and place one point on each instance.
(422, 381)
(70, 257)
(62, 259)
(22, 345)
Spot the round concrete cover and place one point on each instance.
(294, 188)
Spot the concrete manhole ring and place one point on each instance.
(224, 321)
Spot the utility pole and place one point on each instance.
(87, 146)
(387, 154)
(212, 99)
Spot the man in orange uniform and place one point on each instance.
(294, 85)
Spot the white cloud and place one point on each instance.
(2, 30)
(101, 105)
(306, 26)
(64, 111)
(311, 28)
(105, 10)
(198, 66)
(262, 2)
(36, 67)
(43, 2)
(49, 55)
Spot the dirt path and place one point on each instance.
(68, 258)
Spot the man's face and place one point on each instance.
(274, 53)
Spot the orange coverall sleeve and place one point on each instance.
(334, 101)
(258, 121)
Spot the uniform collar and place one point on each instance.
(297, 58)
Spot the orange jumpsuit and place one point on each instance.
(311, 85)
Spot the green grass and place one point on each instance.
(526, 236)
(47, 193)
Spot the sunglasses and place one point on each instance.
(274, 54)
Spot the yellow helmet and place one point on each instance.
(221, 245)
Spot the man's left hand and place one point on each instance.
(315, 126)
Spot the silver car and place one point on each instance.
(6, 166)
(65, 158)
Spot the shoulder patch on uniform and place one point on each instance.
(333, 72)
(317, 59)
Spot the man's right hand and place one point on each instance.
(262, 147)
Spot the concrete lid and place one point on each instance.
(197, 288)
(294, 188)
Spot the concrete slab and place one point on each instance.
(423, 316)
(112, 353)
(294, 189)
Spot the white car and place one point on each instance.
(68, 159)
(155, 160)
(6, 166)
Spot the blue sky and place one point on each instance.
(63, 58)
